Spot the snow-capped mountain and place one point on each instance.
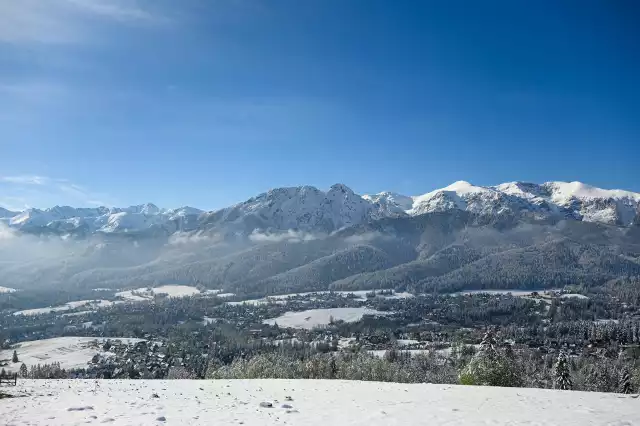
(569, 199)
(6, 214)
(391, 203)
(65, 219)
(303, 208)
(307, 208)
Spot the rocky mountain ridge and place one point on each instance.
(306, 208)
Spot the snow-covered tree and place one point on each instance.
(15, 356)
(490, 367)
(23, 370)
(561, 374)
(489, 345)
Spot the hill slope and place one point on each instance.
(313, 402)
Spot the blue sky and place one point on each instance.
(207, 102)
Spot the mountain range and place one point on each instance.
(513, 235)
(306, 208)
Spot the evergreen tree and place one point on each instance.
(15, 357)
(625, 382)
(561, 375)
(490, 367)
(333, 368)
(488, 345)
(23, 370)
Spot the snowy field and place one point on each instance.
(145, 293)
(96, 304)
(573, 296)
(7, 290)
(315, 317)
(304, 402)
(70, 352)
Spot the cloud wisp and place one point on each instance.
(290, 236)
(70, 21)
(21, 192)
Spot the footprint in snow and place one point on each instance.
(88, 407)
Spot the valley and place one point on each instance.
(302, 283)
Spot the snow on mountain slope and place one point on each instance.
(391, 203)
(461, 195)
(304, 402)
(578, 200)
(569, 199)
(304, 208)
(6, 214)
(65, 219)
(307, 208)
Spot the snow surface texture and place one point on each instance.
(306, 208)
(304, 402)
(70, 352)
(315, 317)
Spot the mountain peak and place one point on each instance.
(339, 187)
(310, 209)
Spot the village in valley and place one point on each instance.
(177, 331)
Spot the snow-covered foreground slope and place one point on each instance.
(305, 402)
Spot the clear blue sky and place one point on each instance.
(206, 103)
